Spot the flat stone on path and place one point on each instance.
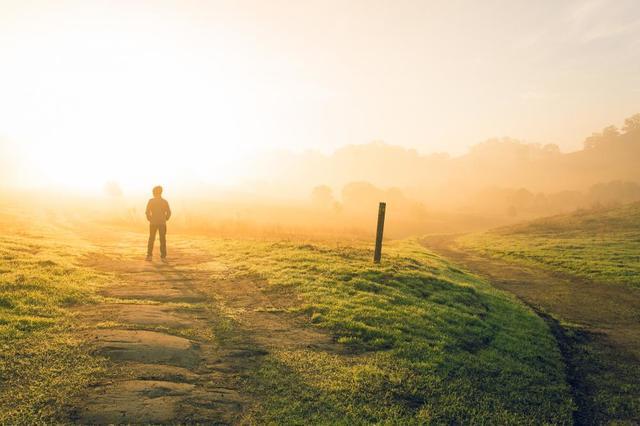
(140, 314)
(146, 347)
(135, 401)
(156, 293)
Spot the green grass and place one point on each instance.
(417, 340)
(595, 300)
(43, 363)
(600, 245)
(424, 342)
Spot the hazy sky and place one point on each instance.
(94, 89)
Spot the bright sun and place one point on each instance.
(106, 98)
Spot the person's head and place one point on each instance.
(157, 191)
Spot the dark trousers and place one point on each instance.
(152, 239)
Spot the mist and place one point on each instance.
(293, 118)
(497, 182)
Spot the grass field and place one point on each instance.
(601, 245)
(583, 271)
(44, 364)
(415, 340)
(427, 343)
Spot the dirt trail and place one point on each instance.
(597, 327)
(174, 359)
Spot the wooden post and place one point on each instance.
(378, 253)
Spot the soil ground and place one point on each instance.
(597, 326)
(173, 360)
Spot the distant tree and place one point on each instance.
(632, 124)
(322, 196)
(521, 198)
(610, 132)
(608, 193)
(360, 193)
(592, 141)
(596, 140)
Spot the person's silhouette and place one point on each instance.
(158, 213)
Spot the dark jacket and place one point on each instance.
(158, 211)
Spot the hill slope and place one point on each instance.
(581, 272)
(602, 245)
(414, 340)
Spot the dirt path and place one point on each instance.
(597, 327)
(179, 342)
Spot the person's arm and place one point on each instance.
(148, 211)
(168, 212)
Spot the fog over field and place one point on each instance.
(319, 212)
(292, 115)
(497, 182)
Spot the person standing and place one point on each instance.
(158, 213)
